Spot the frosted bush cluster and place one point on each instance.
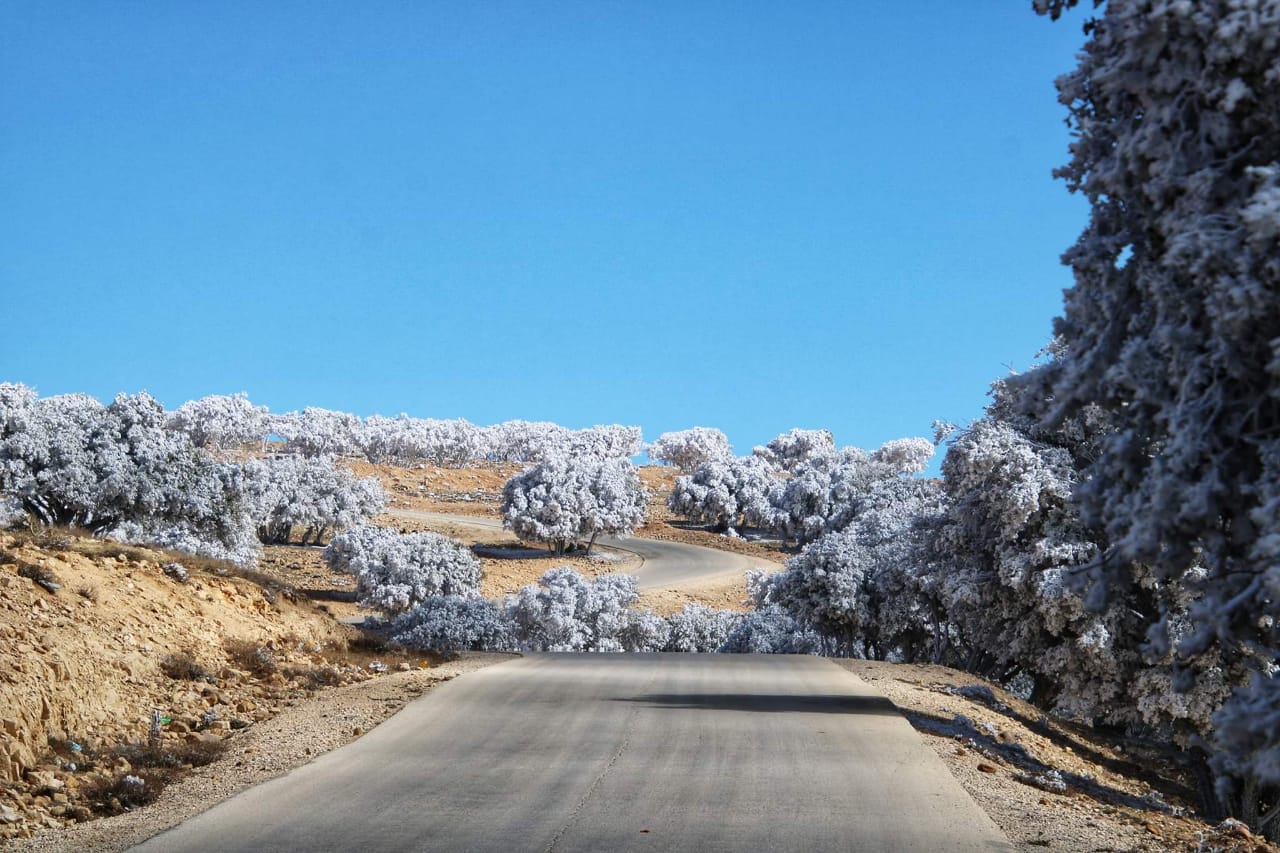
(566, 500)
(396, 572)
(454, 623)
(311, 495)
(132, 472)
(790, 450)
(798, 486)
(689, 449)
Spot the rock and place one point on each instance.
(202, 737)
(986, 768)
(179, 727)
(44, 781)
(237, 723)
(9, 815)
(357, 731)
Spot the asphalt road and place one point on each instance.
(618, 753)
(666, 565)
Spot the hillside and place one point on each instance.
(96, 638)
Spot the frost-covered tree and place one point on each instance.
(825, 492)
(528, 441)
(1172, 324)
(405, 440)
(724, 493)
(318, 432)
(117, 469)
(690, 449)
(309, 495)
(790, 450)
(771, 630)
(864, 588)
(565, 612)
(905, 455)
(698, 628)
(567, 500)
(395, 572)
(220, 422)
(454, 623)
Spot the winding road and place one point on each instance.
(666, 565)
(612, 752)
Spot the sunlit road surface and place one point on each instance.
(611, 752)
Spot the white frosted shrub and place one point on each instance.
(689, 449)
(564, 612)
(454, 623)
(697, 628)
(771, 631)
(221, 422)
(567, 500)
(725, 493)
(312, 495)
(790, 450)
(396, 571)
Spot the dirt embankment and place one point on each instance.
(118, 661)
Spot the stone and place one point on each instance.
(9, 815)
(986, 768)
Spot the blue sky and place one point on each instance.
(752, 216)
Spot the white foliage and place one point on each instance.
(565, 612)
(797, 447)
(905, 455)
(689, 449)
(311, 494)
(453, 623)
(221, 422)
(1172, 323)
(771, 631)
(397, 571)
(725, 492)
(698, 628)
(565, 500)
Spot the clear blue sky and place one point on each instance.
(752, 216)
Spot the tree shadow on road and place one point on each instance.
(766, 703)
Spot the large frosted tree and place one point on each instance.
(566, 500)
(1173, 328)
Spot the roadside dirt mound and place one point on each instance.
(97, 640)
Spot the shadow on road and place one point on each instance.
(767, 703)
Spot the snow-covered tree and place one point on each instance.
(117, 469)
(454, 623)
(395, 572)
(825, 491)
(311, 495)
(862, 588)
(405, 440)
(565, 612)
(790, 450)
(219, 422)
(1172, 323)
(698, 628)
(566, 500)
(771, 630)
(690, 449)
(318, 432)
(905, 455)
(724, 493)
